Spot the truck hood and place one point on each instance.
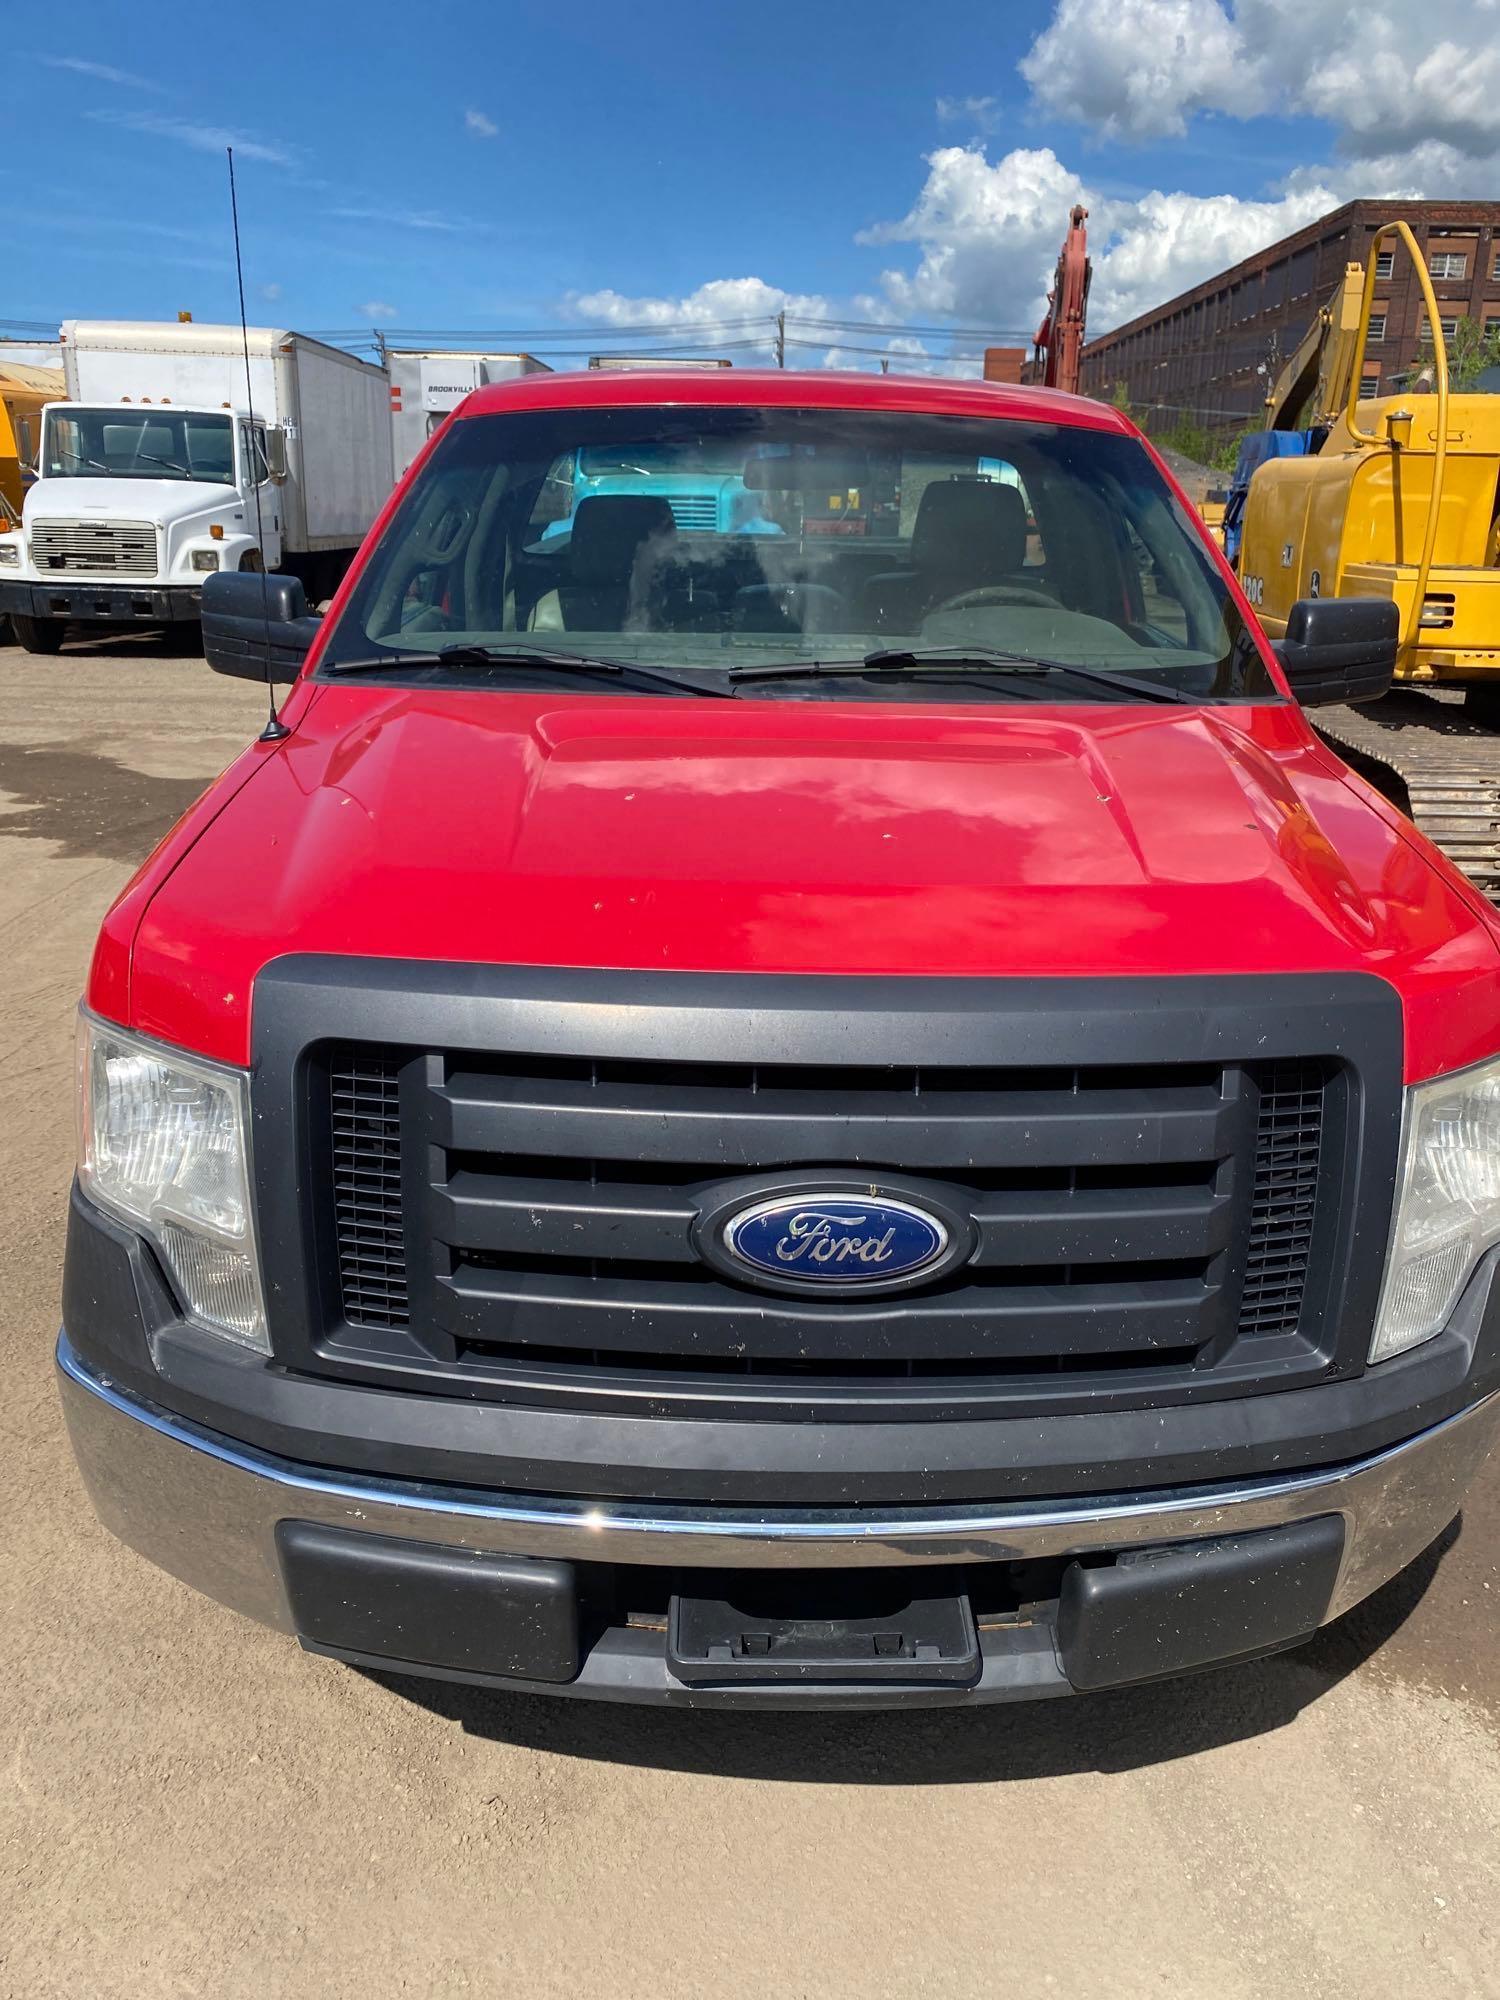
(779, 836)
(160, 500)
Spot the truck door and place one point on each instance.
(255, 483)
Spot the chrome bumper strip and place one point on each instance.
(206, 1508)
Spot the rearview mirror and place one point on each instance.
(804, 468)
(256, 627)
(276, 451)
(1340, 649)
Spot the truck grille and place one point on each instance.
(94, 548)
(532, 1214)
(695, 512)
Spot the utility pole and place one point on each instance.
(781, 338)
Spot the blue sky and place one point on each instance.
(526, 165)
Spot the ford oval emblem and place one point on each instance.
(836, 1239)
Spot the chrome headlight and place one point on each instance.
(163, 1141)
(1447, 1204)
(10, 551)
(204, 559)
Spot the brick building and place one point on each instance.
(1208, 356)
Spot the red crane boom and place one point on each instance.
(1059, 338)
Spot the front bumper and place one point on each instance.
(215, 1512)
(112, 601)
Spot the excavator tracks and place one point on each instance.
(1427, 754)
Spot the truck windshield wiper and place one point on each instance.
(591, 666)
(79, 459)
(958, 660)
(994, 656)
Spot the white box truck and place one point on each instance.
(161, 467)
(429, 382)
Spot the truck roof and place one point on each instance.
(169, 336)
(825, 389)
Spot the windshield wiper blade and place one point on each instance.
(903, 658)
(590, 666)
(956, 673)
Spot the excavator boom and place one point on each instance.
(1059, 338)
(1313, 387)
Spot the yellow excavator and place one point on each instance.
(23, 391)
(1391, 496)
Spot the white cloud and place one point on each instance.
(376, 309)
(979, 113)
(1166, 243)
(1389, 77)
(124, 79)
(724, 312)
(270, 293)
(479, 125)
(987, 234)
(1139, 67)
(405, 218)
(203, 138)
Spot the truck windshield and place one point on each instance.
(118, 443)
(819, 536)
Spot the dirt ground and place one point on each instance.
(192, 1807)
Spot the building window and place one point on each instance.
(1377, 326)
(1385, 263)
(1448, 264)
(1448, 324)
(1369, 386)
(1495, 267)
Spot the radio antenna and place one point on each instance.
(275, 728)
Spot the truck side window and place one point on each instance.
(253, 445)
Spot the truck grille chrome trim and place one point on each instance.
(94, 548)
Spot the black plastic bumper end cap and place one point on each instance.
(1159, 1612)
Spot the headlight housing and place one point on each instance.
(1447, 1204)
(10, 551)
(204, 559)
(163, 1141)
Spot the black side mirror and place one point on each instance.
(1340, 649)
(256, 627)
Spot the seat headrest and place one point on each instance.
(609, 532)
(973, 528)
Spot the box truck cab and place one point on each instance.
(752, 1120)
(164, 465)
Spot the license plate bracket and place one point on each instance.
(710, 1640)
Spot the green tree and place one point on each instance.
(1472, 349)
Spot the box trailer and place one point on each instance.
(427, 383)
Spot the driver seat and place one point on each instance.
(617, 538)
(968, 533)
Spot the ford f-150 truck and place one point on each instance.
(773, 1119)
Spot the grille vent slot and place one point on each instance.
(1288, 1150)
(365, 1112)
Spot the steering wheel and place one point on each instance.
(996, 593)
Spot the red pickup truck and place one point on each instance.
(763, 1118)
